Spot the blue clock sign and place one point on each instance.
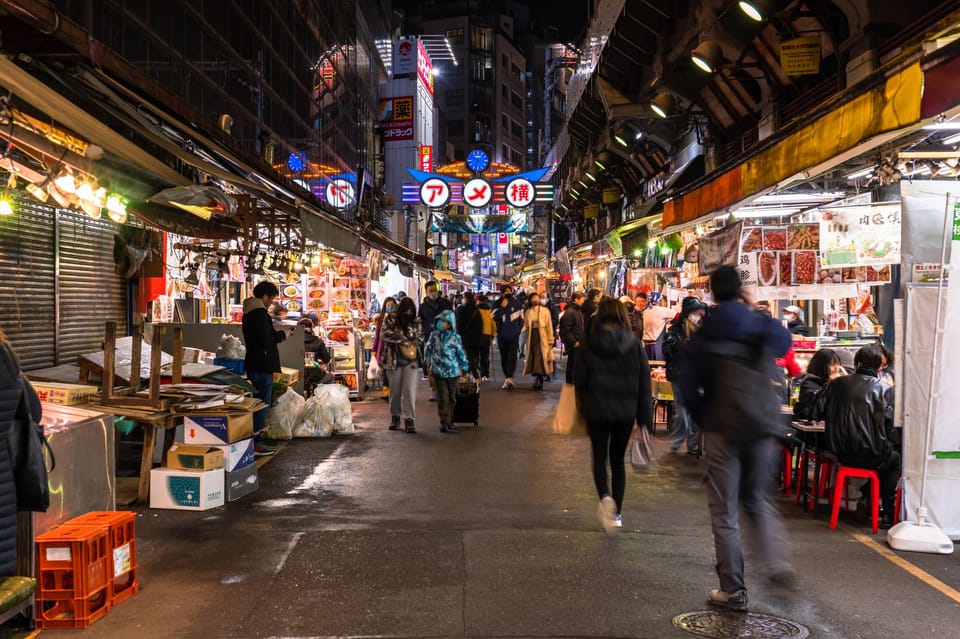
(297, 162)
(478, 161)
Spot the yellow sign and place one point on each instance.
(800, 56)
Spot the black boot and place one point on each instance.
(409, 426)
(394, 422)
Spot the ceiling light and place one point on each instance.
(590, 175)
(600, 165)
(622, 142)
(638, 136)
(664, 105)
(575, 192)
(116, 209)
(944, 126)
(583, 184)
(708, 56)
(58, 196)
(755, 9)
(6, 207)
(861, 173)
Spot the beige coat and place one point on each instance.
(541, 316)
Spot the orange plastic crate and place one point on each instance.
(73, 613)
(73, 562)
(121, 526)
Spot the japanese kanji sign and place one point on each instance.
(426, 158)
(477, 193)
(340, 193)
(435, 192)
(800, 56)
(520, 192)
(956, 222)
(860, 235)
(396, 119)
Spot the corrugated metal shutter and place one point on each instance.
(90, 292)
(27, 254)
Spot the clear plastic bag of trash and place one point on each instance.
(231, 347)
(336, 398)
(284, 416)
(316, 420)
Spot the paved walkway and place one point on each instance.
(486, 533)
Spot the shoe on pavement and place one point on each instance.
(433, 397)
(618, 522)
(484, 379)
(408, 425)
(607, 512)
(509, 382)
(261, 450)
(394, 422)
(731, 601)
(447, 428)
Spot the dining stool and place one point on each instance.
(787, 468)
(839, 488)
(819, 481)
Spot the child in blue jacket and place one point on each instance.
(445, 359)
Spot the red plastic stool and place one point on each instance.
(787, 468)
(820, 482)
(898, 505)
(839, 487)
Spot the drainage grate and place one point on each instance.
(735, 625)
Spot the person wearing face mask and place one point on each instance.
(433, 304)
(796, 326)
(682, 429)
(508, 318)
(401, 329)
(376, 347)
(538, 327)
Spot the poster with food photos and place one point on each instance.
(856, 236)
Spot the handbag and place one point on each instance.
(568, 417)
(641, 453)
(373, 368)
(407, 350)
(27, 444)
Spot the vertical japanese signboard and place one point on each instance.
(396, 118)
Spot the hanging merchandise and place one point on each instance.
(720, 248)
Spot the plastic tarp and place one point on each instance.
(943, 475)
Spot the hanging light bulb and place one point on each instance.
(6, 207)
(85, 191)
(315, 260)
(116, 209)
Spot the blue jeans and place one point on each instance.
(263, 382)
(682, 428)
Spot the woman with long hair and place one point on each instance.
(612, 380)
(401, 338)
(824, 366)
(376, 347)
(538, 328)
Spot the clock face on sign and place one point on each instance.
(478, 161)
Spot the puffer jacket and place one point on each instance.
(391, 334)
(9, 401)
(806, 405)
(858, 411)
(260, 338)
(612, 378)
(444, 355)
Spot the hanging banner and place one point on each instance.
(559, 291)
(860, 235)
(720, 248)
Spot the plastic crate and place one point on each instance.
(122, 546)
(235, 365)
(73, 613)
(73, 562)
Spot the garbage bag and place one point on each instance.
(231, 347)
(336, 398)
(284, 416)
(316, 420)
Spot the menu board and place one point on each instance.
(340, 288)
(860, 235)
(291, 292)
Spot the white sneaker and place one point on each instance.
(484, 379)
(618, 522)
(607, 511)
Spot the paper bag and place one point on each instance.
(568, 418)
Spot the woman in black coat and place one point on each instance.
(9, 401)
(823, 367)
(612, 379)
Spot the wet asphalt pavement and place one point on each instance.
(485, 533)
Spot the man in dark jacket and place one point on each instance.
(683, 428)
(572, 331)
(590, 306)
(858, 411)
(508, 316)
(739, 468)
(433, 304)
(470, 327)
(263, 356)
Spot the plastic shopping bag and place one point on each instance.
(373, 368)
(568, 418)
(641, 452)
(284, 416)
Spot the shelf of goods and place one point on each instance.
(346, 346)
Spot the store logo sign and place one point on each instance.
(340, 193)
(520, 193)
(434, 192)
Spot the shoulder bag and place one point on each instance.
(27, 444)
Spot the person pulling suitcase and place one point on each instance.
(445, 358)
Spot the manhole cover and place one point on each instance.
(733, 625)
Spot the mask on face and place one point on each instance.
(696, 319)
(789, 317)
(433, 294)
(389, 308)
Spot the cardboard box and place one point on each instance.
(186, 489)
(241, 482)
(237, 455)
(287, 375)
(217, 429)
(187, 457)
(191, 355)
(64, 394)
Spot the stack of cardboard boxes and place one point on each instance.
(211, 463)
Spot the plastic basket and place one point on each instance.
(122, 542)
(235, 365)
(73, 562)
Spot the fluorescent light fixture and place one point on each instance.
(575, 192)
(953, 139)
(600, 165)
(923, 170)
(795, 198)
(620, 140)
(590, 175)
(639, 135)
(754, 9)
(583, 184)
(944, 126)
(861, 173)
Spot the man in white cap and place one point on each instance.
(796, 326)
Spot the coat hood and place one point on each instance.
(690, 305)
(252, 304)
(607, 340)
(446, 316)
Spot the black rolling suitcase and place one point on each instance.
(467, 408)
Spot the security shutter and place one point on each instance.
(90, 292)
(27, 314)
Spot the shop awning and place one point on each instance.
(445, 276)
(319, 228)
(895, 104)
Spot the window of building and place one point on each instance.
(454, 97)
(504, 122)
(516, 72)
(516, 158)
(505, 153)
(503, 60)
(480, 70)
(454, 128)
(455, 36)
(481, 38)
(516, 129)
(503, 91)
(516, 100)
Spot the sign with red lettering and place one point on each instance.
(434, 192)
(477, 193)
(520, 193)
(424, 67)
(396, 118)
(340, 193)
(426, 158)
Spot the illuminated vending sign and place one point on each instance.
(520, 192)
(426, 158)
(435, 192)
(424, 67)
(340, 193)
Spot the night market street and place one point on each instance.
(489, 533)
